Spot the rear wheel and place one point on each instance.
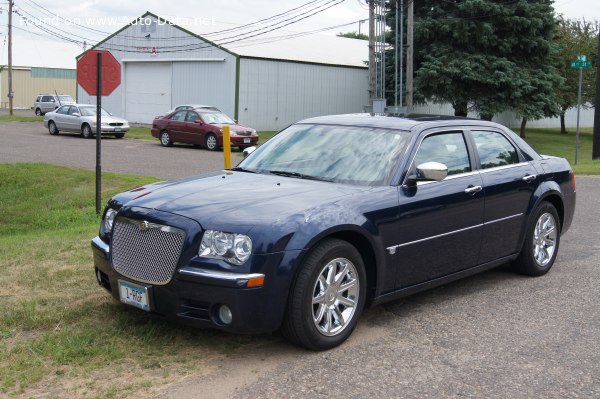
(165, 139)
(541, 242)
(86, 131)
(52, 129)
(327, 296)
(38, 112)
(211, 142)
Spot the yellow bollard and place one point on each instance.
(226, 147)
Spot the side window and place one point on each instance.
(179, 116)
(38, 99)
(191, 116)
(72, 110)
(447, 148)
(47, 99)
(63, 110)
(494, 149)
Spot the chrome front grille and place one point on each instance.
(146, 252)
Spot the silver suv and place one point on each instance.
(49, 102)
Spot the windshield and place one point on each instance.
(218, 118)
(91, 111)
(345, 154)
(66, 99)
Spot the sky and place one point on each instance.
(32, 47)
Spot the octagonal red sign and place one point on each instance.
(87, 72)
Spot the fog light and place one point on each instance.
(225, 314)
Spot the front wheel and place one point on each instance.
(86, 131)
(38, 112)
(541, 242)
(119, 135)
(327, 296)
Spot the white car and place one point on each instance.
(81, 118)
(50, 102)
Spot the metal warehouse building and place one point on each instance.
(263, 83)
(28, 82)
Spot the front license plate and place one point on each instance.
(117, 129)
(246, 140)
(134, 295)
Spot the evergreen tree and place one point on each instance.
(486, 55)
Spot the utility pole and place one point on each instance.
(10, 82)
(596, 140)
(372, 65)
(409, 53)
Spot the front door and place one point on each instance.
(440, 222)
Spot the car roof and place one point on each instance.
(396, 121)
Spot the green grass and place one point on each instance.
(58, 328)
(20, 118)
(552, 142)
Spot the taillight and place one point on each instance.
(573, 181)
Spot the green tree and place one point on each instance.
(575, 37)
(486, 55)
(354, 35)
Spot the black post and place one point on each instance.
(98, 133)
(596, 147)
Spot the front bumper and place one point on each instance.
(195, 293)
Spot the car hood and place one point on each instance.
(234, 128)
(239, 198)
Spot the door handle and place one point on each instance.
(473, 189)
(529, 178)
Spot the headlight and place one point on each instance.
(104, 123)
(109, 218)
(233, 248)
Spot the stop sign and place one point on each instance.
(87, 72)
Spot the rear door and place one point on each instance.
(509, 182)
(440, 222)
(176, 126)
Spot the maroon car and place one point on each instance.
(203, 127)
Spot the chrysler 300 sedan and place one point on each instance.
(332, 214)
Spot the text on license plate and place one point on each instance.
(117, 129)
(247, 140)
(134, 295)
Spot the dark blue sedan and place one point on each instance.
(332, 214)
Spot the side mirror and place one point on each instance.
(248, 151)
(428, 171)
(76, 114)
(199, 121)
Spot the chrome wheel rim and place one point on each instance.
(335, 297)
(164, 139)
(211, 142)
(87, 132)
(52, 128)
(544, 239)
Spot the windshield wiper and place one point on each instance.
(240, 169)
(298, 175)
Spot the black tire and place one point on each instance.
(38, 112)
(165, 139)
(541, 242)
(119, 135)
(86, 131)
(211, 142)
(52, 129)
(305, 320)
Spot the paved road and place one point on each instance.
(495, 335)
(30, 142)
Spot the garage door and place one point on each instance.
(147, 90)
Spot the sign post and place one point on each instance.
(99, 74)
(580, 64)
